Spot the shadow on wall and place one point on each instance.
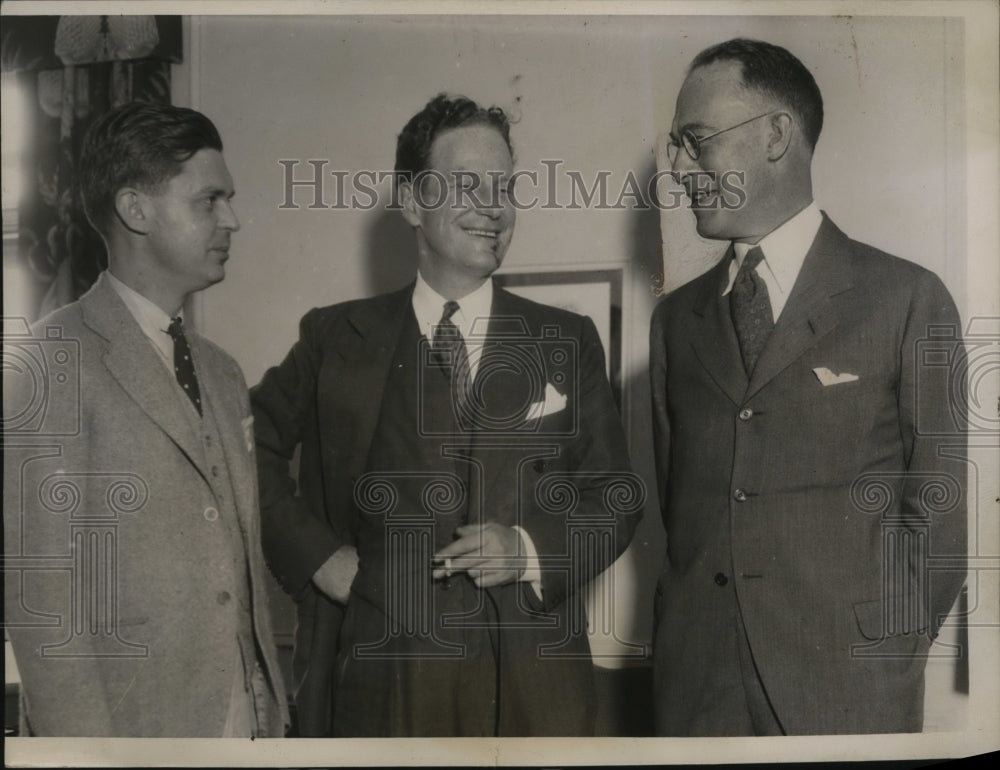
(390, 257)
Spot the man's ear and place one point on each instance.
(133, 209)
(782, 127)
(408, 201)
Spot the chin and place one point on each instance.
(709, 226)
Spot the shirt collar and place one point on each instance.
(470, 318)
(785, 247)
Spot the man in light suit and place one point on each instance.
(809, 448)
(463, 474)
(135, 594)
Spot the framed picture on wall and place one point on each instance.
(594, 293)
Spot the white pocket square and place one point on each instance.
(827, 377)
(554, 402)
(247, 423)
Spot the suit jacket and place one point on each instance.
(326, 397)
(831, 518)
(110, 478)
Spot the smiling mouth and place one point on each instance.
(491, 234)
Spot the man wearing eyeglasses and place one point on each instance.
(809, 450)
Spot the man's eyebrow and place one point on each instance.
(694, 125)
(214, 192)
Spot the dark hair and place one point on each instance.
(141, 145)
(772, 70)
(413, 146)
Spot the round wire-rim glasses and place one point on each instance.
(692, 142)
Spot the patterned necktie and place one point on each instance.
(750, 307)
(449, 353)
(183, 365)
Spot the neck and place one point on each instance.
(165, 297)
(786, 199)
(451, 286)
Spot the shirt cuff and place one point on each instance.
(532, 571)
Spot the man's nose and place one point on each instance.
(489, 205)
(682, 163)
(228, 219)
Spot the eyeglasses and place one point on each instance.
(692, 143)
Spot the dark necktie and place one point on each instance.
(751, 309)
(183, 365)
(449, 353)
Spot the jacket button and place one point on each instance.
(720, 579)
(746, 413)
(740, 496)
(223, 597)
(211, 514)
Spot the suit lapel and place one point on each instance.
(132, 361)
(714, 339)
(507, 322)
(809, 314)
(366, 349)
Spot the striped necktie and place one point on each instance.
(450, 354)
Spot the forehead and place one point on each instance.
(206, 169)
(478, 147)
(713, 95)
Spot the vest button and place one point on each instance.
(720, 579)
(215, 471)
(740, 496)
(746, 413)
(223, 597)
(211, 514)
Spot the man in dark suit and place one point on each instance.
(463, 474)
(136, 599)
(809, 448)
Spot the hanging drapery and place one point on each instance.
(73, 69)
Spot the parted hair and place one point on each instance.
(141, 145)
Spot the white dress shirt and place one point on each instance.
(472, 320)
(785, 250)
(151, 319)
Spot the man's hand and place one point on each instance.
(490, 553)
(335, 575)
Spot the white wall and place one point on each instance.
(592, 92)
